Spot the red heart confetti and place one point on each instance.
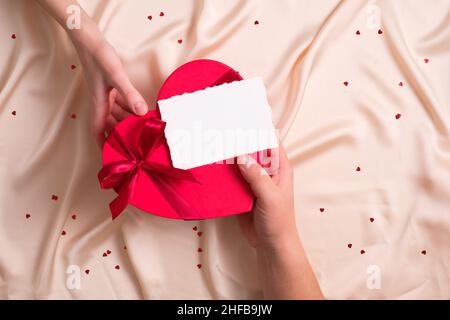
(426, 60)
(346, 83)
(397, 116)
(13, 36)
(74, 217)
(28, 216)
(14, 113)
(358, 169)
(195, 228)
(161, 14)
(362, 252)
(349, 245)
(108, 251)
(117, 267)
(380, 31)
(54, 197)
(149, 17)
(180, 41)
(322, 209)
(372, 219)
(357, 32)
(199, 233)
(256, 22)
(63, 232)
(72, 66)
(87, 271)
(400, 84)
(124, 247)
(104, 254)
(200, 250)
(424, 252)
(199, 265)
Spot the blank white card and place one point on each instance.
(218, 123)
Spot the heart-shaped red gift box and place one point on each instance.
(218, 190)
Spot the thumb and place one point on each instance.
(258, 179)
(132, 97)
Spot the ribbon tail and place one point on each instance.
(117, 206)
(125, 194)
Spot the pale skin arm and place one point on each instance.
(113, 95)
(282, 263)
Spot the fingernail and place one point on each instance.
(242, 160)
(140, 108)
(246, 161)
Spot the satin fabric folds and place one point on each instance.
(359, 91)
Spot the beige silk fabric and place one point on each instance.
(364, 118)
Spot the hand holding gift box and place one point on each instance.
(172, 179)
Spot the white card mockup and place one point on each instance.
(218, 123)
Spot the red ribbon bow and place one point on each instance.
(122, 175)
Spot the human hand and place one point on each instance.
(272, 221)
(113, 95)
(282, 263)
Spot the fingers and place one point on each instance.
(116, 97)
(118, 112)
(118, 107)
(285, 172)
(245, 221)
(258, 179)
(100, 111)
(111, 122)
(102, 121)
(130, 98)
(118, 78)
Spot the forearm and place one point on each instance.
(86, 35)
(286, 272)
